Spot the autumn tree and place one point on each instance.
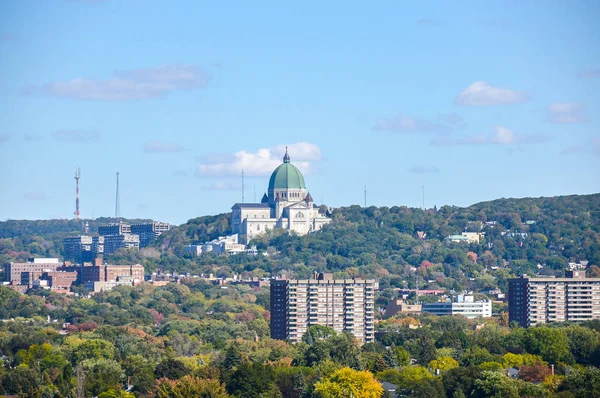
(347, 382)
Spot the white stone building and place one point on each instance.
(287, 204)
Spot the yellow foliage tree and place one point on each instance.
(444, 364)
(349, 383)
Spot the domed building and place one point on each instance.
(287, 204)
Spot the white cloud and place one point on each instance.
(566, 113)
(137, 84)
(589, 73)
(36, 195)
(76, 135)
(423, 169)
(480, 93)
(407, 124)
(260, 163)
(162, 147)
(501, 136)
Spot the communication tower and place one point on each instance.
(77, 177)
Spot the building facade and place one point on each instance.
(533, 301)
(346, 305)
(78, 248)
(464, 305)
(16, 273)
(114, 229)
(104, 277)
(287, 205)
(399, 306)
(112, 243)
(148, 232)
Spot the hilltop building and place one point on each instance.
(79, 248)
(148, 232)
(287, 205)
(533, 300)
(346, 305)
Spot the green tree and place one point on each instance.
(190, 386)
(552, 344)
(233, 357)
(251, 380)
(171, 369)
(495, 385)
(101, 375)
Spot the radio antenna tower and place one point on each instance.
(77, 177)
(242, 185)
(365, 196)
(423, 196)
(117, 205)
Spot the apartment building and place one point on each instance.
(464, 305)
(78, 248)
(148, 232)
(114, 229)
(346, 305)
(533, 300)
(112, 243)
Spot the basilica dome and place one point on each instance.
(286, 176)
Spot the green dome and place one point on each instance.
(286, 176)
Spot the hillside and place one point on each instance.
(520, 236)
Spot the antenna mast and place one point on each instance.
(77, 177)
(117, 209)
(365, 196)
(423, 196)
(242, 185)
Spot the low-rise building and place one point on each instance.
(464, 305)
(399, 306)
(466, 237)
(33, 268)
(60, 281)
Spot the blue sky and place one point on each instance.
(476, 101)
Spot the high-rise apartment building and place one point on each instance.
(346, 305)
(148, 232)
(114, 229)
(574, 298)
(78, 248)
(112, 243)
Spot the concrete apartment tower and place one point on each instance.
(346, 305)
(533, 301)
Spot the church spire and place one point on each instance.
(286, 157)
